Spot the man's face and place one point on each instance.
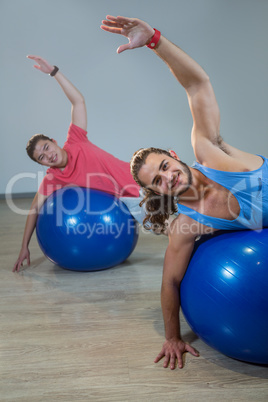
(165, 175)
(48, 153)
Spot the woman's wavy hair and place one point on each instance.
(158, 207)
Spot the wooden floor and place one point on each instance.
(69, 336)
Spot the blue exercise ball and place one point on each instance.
(81, 229)
(224, 294)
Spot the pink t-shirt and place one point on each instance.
(90, 166)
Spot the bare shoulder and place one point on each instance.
(222, 156)
(184, 229)
(251, 161)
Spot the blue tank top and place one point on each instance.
(249, 188)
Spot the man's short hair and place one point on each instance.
(30, 147)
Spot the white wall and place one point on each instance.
(133, 101)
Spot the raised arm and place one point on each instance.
(202, 101)
(192, 77)
(78, 111)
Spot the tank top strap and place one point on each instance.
(210, 221)
(247, 187)
(237, 182)
(226, 179)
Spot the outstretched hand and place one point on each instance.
(173, 350)
(42, 65)
(138, 32)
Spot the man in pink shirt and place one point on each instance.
(89, 166)
(78, 163)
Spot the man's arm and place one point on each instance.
(30, 225)
(201, 97)
(195, 81)
(209, 148)
(176, 262)
(79, 112)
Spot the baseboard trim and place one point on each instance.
(16, 196)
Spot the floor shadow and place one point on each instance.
(211, 355)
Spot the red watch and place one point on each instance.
(155, 39)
